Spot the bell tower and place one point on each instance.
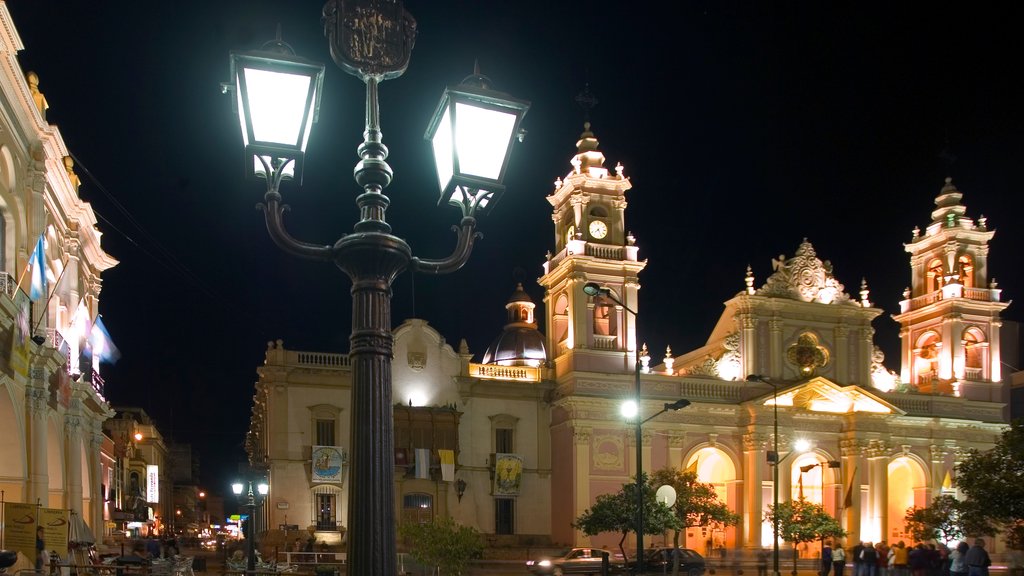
(592, 244)
(949, 317)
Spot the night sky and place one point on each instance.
(743, 129)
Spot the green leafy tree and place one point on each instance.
(617, 513)
(443, 543)
(802, 521)
(696, 504)
(940, 521)
(991, 481)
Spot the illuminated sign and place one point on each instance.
(152, 484)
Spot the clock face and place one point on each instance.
(598, 229)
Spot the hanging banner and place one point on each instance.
(19, 339)
(20, 528)
(327, 465)
(447, 464)
(55, 523)
(508, 474)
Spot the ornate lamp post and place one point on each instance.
(593, 289)
(250, 529)
(471, 132)
(773, 461)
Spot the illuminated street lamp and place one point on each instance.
(262, 488)
(631, 410)
(372, 40)
(774, 461)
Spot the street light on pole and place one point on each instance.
(593, 289)
(471, 133)
(262, 489)
(773, 461)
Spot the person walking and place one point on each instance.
(826, 559)
(838, 559)
(917, 559)
(977, 559)
(958, 564)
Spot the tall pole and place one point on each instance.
(775, 479)
(250, 536)
(639, 471)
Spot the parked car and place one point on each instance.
(659, 560)
(577, 561)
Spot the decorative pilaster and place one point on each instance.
(878, 489)
(581, 488)
(852, 450)
(775, 338)
(755, 476)
(37, 398)
(73, 451)
(841, 356)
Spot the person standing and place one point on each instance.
(826, 558)
(858, 558)
(40, 547)
(869, 557)
(762, 562)
(900, 558)
(838, 560)
(977, 559)
(958, 565)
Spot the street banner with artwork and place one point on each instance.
(55, 523)
(508, 474)
(327, 465)
(20, 528)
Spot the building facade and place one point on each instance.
(537, 423)
(51, 395)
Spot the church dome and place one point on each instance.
(520, 343)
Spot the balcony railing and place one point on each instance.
(976, 294)
(8, 284)
(606, 342)
(490, 372)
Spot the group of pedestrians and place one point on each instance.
(870, 559)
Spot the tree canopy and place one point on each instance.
(940, 521)
(442, 543)
(993, 482)
(617, 513)
(802, 521)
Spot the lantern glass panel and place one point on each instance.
(278, 102)
(442, 144)
(482, 139)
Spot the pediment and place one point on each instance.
(822, 395)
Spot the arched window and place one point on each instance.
(561, 318)
(604, 317)
(975, 350)
(927, 361)
(935, 275)
(965, 268)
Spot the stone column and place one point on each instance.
(98, 498)
(878, 487)
(755, 475)
(851, 450)
(36, 396)
(841, 356)
(581, 476)
(748, 345)
(73, 457)
(775, 339)
(938, 470)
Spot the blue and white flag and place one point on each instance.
(38, 287)
(100, 344)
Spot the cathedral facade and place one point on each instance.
(51, 394)
(521, 443)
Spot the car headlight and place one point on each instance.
(544, 563)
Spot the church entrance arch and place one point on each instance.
(908, 487)
(714, 466)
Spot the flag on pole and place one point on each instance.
(848, 500)
(693, 466)
(37, 289)
(447, 465)
(423, 463)
(100, 344)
